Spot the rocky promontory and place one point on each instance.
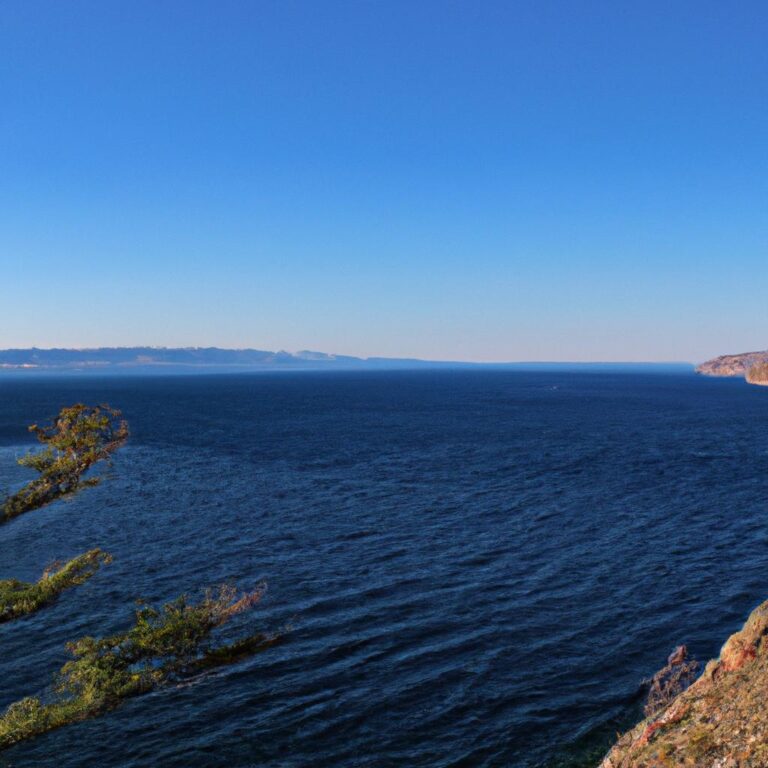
(720, 721)
(733, 365)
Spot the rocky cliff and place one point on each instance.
(758, 374)
(732, 365)
(721, 721)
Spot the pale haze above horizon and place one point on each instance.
(478, 181)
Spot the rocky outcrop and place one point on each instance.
(758, 374)
(721, 721)
(732, 365)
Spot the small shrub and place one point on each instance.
(19, 598)
(163, 645)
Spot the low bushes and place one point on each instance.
(19, 598)
(163, 645)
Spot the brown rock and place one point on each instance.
(721, 721)
(732, 365)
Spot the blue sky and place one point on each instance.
(448, 180)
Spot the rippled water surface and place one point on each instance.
(479, 567)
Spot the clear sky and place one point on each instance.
(516, 180)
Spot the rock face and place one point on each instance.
(721, 721)
(732, 365)
(758, 374)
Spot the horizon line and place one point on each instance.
(332, 356)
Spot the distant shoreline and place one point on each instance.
(217, 360)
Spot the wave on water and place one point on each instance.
(479, 567)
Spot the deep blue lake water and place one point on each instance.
(479, 567)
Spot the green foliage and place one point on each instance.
(78, 438)
(163, 645)
(19, 598)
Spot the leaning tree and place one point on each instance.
(80, 437)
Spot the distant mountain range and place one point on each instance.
(167, 358)
(217, 360)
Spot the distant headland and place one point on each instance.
(113, 360)
(753, 366)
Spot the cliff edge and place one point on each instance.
(720, 721)
(758, 374)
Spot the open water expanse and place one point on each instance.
(479, 567)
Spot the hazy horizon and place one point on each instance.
(365, 356)
(310, 356)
